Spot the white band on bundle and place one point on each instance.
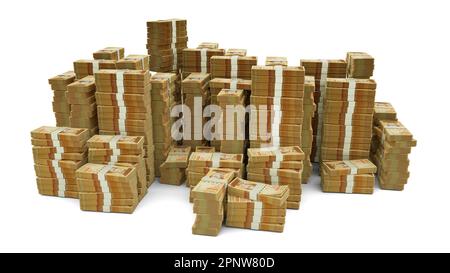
(274, 180)
(353, 167)
(278, 86)
(349, 117)
(276, 164)
(95, 65)
(256, 219)
(216, 160)
(278, 156)
(143, 63)
(118, 54)
(234, 67)
(253, 194)
(101, 175)
(323, 91)
(174, 48)
(273, 172)
(55, 163)
(233, 84)
(203, 60)
(350, 183)
(120, 101)
(115, 150)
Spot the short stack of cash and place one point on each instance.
(233, 120)
(58, 152)
(61, 106)
(81, 97)
(321, 70)
(120, 150)
(278, 166)
(124, 108)
(107, 188)
(309, 108)
(163, 89)
(195, 92)
(198, 59)
(256, 206)
(360, 65)
(347, 119)
(394, 142)
(134, 62)
(173, 170)
(348, 176)
(84, 68)
(109, 53)
(209, 198)
(277, 100)
(166, 40)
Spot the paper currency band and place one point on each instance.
(95, 65)
(216, 160)
(278, 93)
(115, 151)
(353, 167)
(349, 116)
(234, 67)
(120, 100)
(203, 60)
(101, 175)
(55, 162)
(233, 84)
(174, 48)
(322, 90)
(253, 194)
(257, 215)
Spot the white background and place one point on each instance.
(409, 40)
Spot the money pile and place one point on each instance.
(84, 68)
(394, 142)
(124, 108)
(134, 62)
(309, 108)
(58, 152)
(233, 120)
(236, 52)
(347, 119)
(166, 40)
(321, 70)
(81, 97)
(277, 100)
(271, 61)
(163, 89)
(360, 65)
(61, 106)
(198, 59)
(173, 170)
(278, 166)
(107, 188)
(232, 66)
(209, 198)
(109, 53)
(120, 150)
(348, 176)
(215, 86)
(256, 206)
(195, 89)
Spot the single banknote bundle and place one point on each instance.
(107, 188)
(309, 108)
(84, 68)
(321, 70)
(272, 61)
(166, 40)
(163, 89)
(109, 53)
(58, 152)
(256, 205)
(198, 59)
(236, 52)
(348, 176)
(347, 119)
(209, 198)
(134, 62)
(232, 66)
(360, 65)
(276, 116)
(278, 166)
(173, 170)
(124, 108)
(61, 106)
(120, 150)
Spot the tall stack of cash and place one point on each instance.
(309, 108)
(173, 170)
(394, 142)
(195, 89)
(166, 40)
(81, 97)
(84, 68)
(108, 188)
(256, 206)
(360, 65)
(198, 59)
(120, 150)
(163, 89)
(134, 62)
(277, 100)
(124, 108)
(348, 176)
(278, 166)
(209, 198)
(109, 53)
(233, 120)
(347, 119)
(58, 152)
(272, 61)
(321, 70)
(61, 106)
